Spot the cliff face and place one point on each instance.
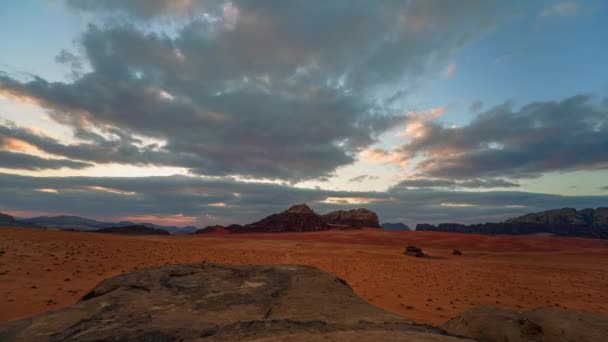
(590, 223)
(355, 218)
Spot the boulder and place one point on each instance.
(207, 302)
(354, 218)
(456, 252)
(488, 323)
(414, 251)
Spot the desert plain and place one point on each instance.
(43, 270)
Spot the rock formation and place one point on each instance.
(298, 218)
(354, 218)
(206, 302)
(486, 323)
(590, 223)
(133, 230)
(395, 226)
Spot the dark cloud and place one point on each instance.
(571, 134)
(261, 89)
(24, 161)
(444, 182)
(229, 201)
(362, 178)
(604, 187)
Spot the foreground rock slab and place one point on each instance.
(487, 323)
(207, 302)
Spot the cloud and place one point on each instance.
(604, 187)
(361, 178)
(571, 134)
(142, 9)
(248, 88)
(561, 8)
(449, 183)
(195, 197)
(24, 161)
(450, 71)
(476, 106)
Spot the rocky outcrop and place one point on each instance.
(395, 226)
(589, 223)
(206, 302)
(133, 230)
(487, 323)
(354, 218)
(298, 218)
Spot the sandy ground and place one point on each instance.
(43, 270)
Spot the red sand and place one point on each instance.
(42, 270)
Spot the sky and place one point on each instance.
(205, 112)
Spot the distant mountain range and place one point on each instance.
(85, 224)
(589, 223)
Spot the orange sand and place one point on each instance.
(42, 270)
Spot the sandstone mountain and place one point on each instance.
(208, 302)
(354, 218)
(133, 230)
(298, 218)
(589, 223)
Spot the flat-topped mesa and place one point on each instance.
(298, 218)
(354, 218)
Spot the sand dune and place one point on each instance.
(42, 270)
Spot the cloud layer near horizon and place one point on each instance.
(223, 201)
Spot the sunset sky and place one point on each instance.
(203, 112)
